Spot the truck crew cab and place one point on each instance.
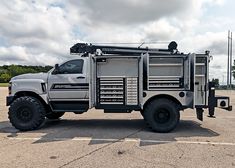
(157, 82)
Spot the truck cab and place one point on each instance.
(69, 81)
(68, 86)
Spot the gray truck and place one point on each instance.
(158, 83)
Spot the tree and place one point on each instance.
(4, 78)
(9, 71)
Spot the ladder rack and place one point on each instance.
(84, 48)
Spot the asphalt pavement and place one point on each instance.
(95, 139)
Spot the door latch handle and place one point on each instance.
(81, 77)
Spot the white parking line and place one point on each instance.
(125, 140)
(220, 117)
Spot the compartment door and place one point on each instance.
(200, 68)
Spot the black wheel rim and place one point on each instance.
(162, 115)
(24, 114)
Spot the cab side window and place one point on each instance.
(72, 67)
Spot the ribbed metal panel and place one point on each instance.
(111, 90)
(132, 91)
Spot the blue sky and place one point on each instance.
(41, 32)
(226, 9)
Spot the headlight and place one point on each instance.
(9, 88)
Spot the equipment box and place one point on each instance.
(118, 82)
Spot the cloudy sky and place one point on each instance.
(40, 32)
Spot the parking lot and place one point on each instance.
(95, 139)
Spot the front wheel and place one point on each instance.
(162, 115)
(26, 113)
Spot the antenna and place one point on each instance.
(141, 44)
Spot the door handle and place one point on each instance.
(81, 77)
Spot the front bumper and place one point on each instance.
(9, 100)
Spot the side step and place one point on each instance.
(69, 106)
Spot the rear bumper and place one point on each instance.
(223, 102)
(229, 108)
(9, 100)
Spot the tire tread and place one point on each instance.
(34, 124)
(150, 106)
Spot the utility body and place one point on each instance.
(157, 82)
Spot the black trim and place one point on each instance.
(201, 106)
(199, 112)
(69, 106)
(212, 102)
(124, 91)
(9, 100)
(90, 48)
(192, 75)
(116, 108)
(63, 73)
(177, 89)
(145, 72)
(70, 87)
(98, 90)
(43, 85)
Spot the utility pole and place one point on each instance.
(228, 73)
(231, 57)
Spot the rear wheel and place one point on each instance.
(54, 115)
(26, 113)
(162, 115)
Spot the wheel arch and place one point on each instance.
(32, 94)
(166, 96)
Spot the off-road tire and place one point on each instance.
(26, 113)
(161, 115)
(53, 115)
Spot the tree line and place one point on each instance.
(9, 71)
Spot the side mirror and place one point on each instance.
(56, 70)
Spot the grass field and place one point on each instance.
(3, 84)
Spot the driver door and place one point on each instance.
(70, 82)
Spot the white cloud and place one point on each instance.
(215, 2)
(21, 55)
(128, 11)
(15, 53)
(160, 30)
(41, 32)
(38, 28)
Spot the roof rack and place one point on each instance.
(84, 48)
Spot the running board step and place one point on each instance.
(68, 106)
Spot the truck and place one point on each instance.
(158, 83)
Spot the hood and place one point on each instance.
(42, 76)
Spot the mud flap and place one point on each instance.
(199, 112)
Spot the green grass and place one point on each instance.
(3, 84)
